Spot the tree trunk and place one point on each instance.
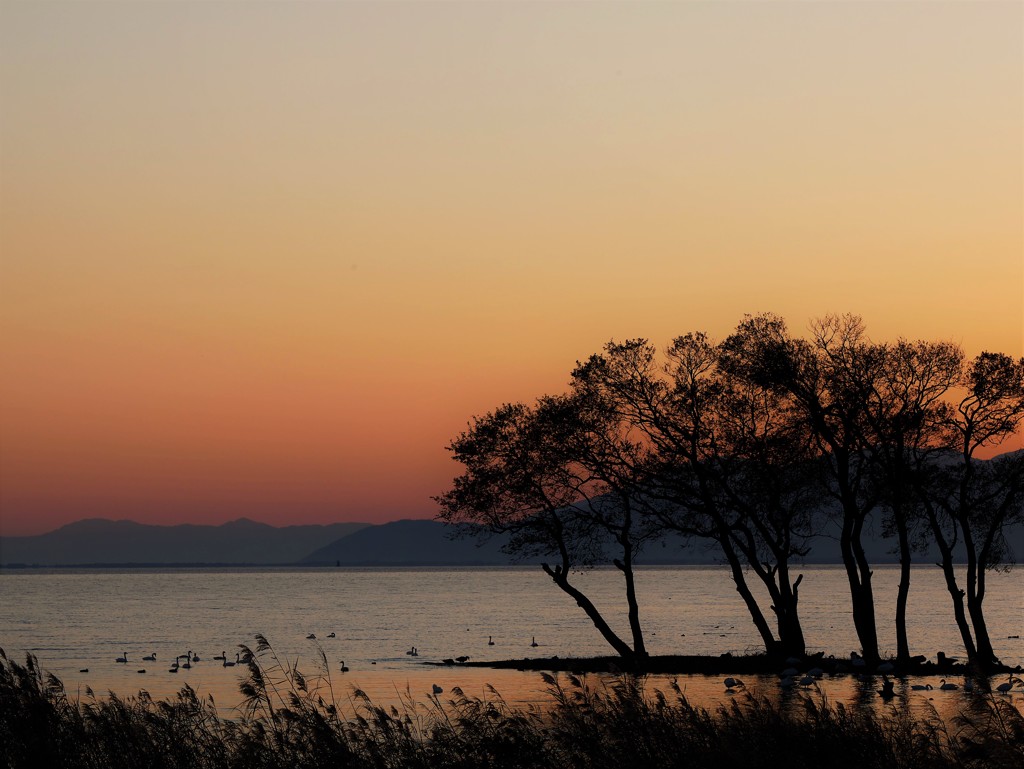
(955, 593)
(861, 595)
(985, 658)
(791, 635)
(560, 577)
(626, 567)
(770, 644)
(903, 591)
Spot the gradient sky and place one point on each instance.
(267, 259)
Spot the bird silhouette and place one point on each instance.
(1004, 688)
(534, 642)
(437, 689)
(150, 658)
(490, 641)
(947, 687)
(344, 668)
(887, 691)
(123, 659)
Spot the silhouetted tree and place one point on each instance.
(831, 379)
(558, 479)
(904, 416)
(972, 502)
(719, 471)
(740, 444)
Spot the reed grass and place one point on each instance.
(289, 719)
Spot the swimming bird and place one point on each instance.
(228, 663)
(732, 683)
(887, 692)
(437, 689)
(463, 658)
(174, 669)
(947, 687)
(786, 683)
(331, 635)
(84, 670)
(141, 671)
(344, 667)
(150, 658)
(123, 659)
(188, 663)
(195, 658)
(223, 656)
(490, 640)
(807, 680)
(534, 642)
(311, 637)
(922, 687)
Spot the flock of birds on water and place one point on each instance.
(190, 658)
(791, 677)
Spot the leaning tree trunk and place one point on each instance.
(955, 593)
(771, 645)
(626, 567)
(862, 598)
(986, 658)
(560, 576)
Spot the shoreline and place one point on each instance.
(725, 664)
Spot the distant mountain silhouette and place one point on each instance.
(100, 541)
(408, 543)
(429, 543)
(400, 543)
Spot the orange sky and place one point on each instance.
(267, 259)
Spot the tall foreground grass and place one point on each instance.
(290, 720)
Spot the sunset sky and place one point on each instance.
(266, 259)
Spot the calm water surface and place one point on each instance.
(85, 619)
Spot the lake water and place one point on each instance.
(85, 619)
